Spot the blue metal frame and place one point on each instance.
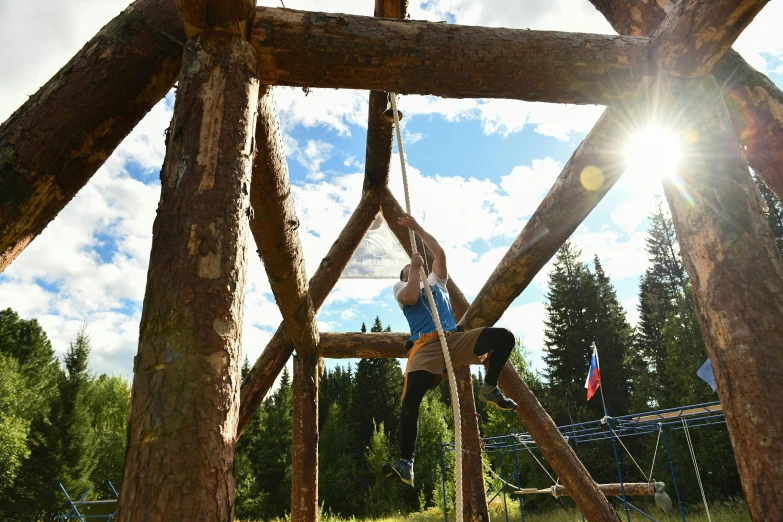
(74, 514)
(608, 428)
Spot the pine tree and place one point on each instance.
(250, 499)
(364, 327)
(108, 399)
(774, 212)
(377, 326)
(337, 465)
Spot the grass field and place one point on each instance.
(731, 511)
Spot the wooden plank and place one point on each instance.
(308, 49)
(179, 464)
(53, 144)
(591, 171)
(279, 349)
(696, 33)
(680, 413)
(755, 103)
(737, 277)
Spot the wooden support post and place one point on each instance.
(591, 171)
(755, 103)
(308, 49)
(696, 33)
(274, 227)
(272, 360)
(474, 498)
(737, 279)
(53, 144)
(184, 405)
(379, 131)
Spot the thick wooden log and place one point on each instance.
(737, 279)
(308, 49)
(696, 33)
(378, 153)
(591, 171)
(474, 498)
(755, 103)
(308, 368)
(233, 16)
(185, 401)
(274, 226)
(279, 349)
(56, 141)
(389, 345)
(631, 489)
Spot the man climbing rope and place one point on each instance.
(426, 365)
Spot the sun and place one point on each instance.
(653, 152)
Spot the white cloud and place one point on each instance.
(527, 321)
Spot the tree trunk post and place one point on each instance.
(737, 279)
(304, 456)
(184, 406)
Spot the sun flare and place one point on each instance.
(653, 152)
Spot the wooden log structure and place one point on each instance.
(274, 226)
(309, 49)
(737, 278)
(56, 141)
(279, 349)
(754, 102)
(474, 497)
(185, 401)
(631, 489)
(696, 33)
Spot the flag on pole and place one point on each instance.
(593, 375)
(705, 374)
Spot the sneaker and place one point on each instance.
(496, 397)
(401, 471)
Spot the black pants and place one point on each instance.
(499, 341)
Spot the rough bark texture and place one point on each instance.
(737, 279)
(185, 401)
(632, 489)
(591, 171)
(308, 49)
(304, 436)
(233, 16)
(696, 33)
(257, 383)
(379, 131)
(474, 498)
(54, 143)
(363, 345)
(274, 226)
(754, 102)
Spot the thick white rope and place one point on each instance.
(438, 326)
(696, 467)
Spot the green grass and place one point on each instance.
(730, 511)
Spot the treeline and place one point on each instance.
(57, 425)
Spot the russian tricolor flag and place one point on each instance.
(593, 375)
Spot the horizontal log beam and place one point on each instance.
(232, 16)
(591, 171)
(696, 33)
(755, 103)
(279, 349)
(630, 489)
(308, 49)
(389, 345)
(53, 144)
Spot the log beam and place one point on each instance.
(279, 349)
(696, 33)
(232, 16)
(53, 144)
(308, 49)
(274, 226)
(631, 489)
(737, 278)
(363, 345)
(184, 407)
(474, 497)
(755, 103)
(591, 171)
(378, 152)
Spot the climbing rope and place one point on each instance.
(655, 454)
(696, 467)
(438, 326)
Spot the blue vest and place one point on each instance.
(419, 318)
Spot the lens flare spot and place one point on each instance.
(592, 178)
(691, 136)
(653, 153)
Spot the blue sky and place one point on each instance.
(478, 169)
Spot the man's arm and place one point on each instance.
(439, 263)
(410, 294)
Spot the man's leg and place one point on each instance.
(418, 384)
(499, 342)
